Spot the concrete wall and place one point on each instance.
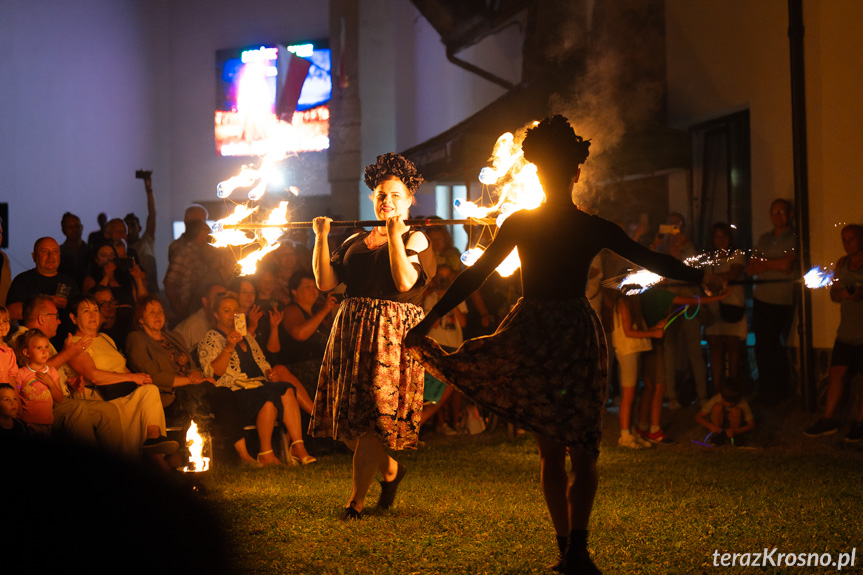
(729, 55)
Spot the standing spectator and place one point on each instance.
(144, 241)
(847, 357)
(74, 253)
(5, 271)
(773, 302)
(97, 235)
(728, 325)
(630, 338)
(43, 279)
(682, 339)
(193, 213)
(187, 265)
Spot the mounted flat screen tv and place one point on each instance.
(271, 98)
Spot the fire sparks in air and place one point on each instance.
(518, 188)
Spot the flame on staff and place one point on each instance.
(266, 239)
(517, 186)
(817, 278)
(638, 282)
(197, 462)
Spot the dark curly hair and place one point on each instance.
(554, 141)
(393, 165)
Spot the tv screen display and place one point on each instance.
(273, 98)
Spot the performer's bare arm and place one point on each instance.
(325, 275)
(405, 275)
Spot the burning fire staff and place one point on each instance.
(370, 392)
(545, 367)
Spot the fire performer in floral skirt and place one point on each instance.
(370, 391)
(545, 367)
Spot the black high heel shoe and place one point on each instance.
(350, 513)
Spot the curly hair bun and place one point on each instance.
(393, 165)
(554, 141)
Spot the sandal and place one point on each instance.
(269, 452)
(296, 460)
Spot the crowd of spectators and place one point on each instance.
(92, 349)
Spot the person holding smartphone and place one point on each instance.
(111, 267)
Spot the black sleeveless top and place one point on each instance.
(366, 273)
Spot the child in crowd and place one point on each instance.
(728, 412)
(630, 338)
(8, 365)
(10, 425)
(38, 383)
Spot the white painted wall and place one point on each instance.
(729, 55)
(94, 89)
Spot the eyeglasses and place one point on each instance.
(55, 315)
(5, 322)
(109, 303)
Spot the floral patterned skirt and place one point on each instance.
(544, 369)
(368, 382)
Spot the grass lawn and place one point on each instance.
(472, 504)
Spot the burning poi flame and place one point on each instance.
(638, 282)
(197, 462)
(817, 278)
(518, 188)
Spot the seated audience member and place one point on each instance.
(11, 427)
(5, 271)
(193, 329)
(186, 392)
(307, 328)
(43, 279)
(283, 263)
(236, 360)
(74, 252)
(111, 327)
(847, 356)
(8, 363)
(189, 264)
(106, 377)
(726, 415)
(111, 268)
(87, 421)
(38, 383)
(269, 339)
(143, 240)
